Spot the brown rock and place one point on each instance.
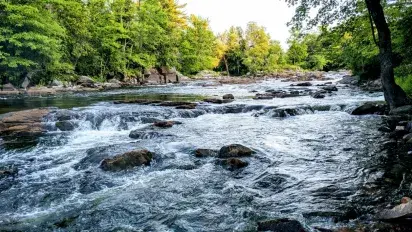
(127, 161)
(234, 151)
(202, 153)
(228, 96)
(234, 164)
(164, 124)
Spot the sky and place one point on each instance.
(272, 14)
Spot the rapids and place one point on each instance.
(312, 159)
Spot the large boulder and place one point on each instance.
(281, 225)
(86, 81)
(399, 212)
(370, 108)
(8, 87)
(235, 151)
(26, 83)
(23, 127)
(127, 161)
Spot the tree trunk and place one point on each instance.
(226, 65)
(394, 95)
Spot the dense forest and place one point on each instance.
(103, 39)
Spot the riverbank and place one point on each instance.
(85, 84)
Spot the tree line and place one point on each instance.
(104, 39)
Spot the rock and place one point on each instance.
(202, 153)
(407, 137)
(127, 161)
(265, 96)
(370, 108)
(137, 134)
(56, 83)
(26, 83)
(8, 87)
(318, 95)
(86, 81)
(408, 127)
(302, 84)
(233, 163)
(401, 211)
(164, 124)
(8, 171)
(115, 81)
(349, 80)
(146, 120)
(405, 200)
(228, 96)
(330, 88)
(402, 110)
(217, 101)
(281, 225)
(21, 125)
(234, 151)
(66, 125)
(111, 86)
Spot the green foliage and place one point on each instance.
(30, 40)
(198, 47)
(257, 48)
(297, 52)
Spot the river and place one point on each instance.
(308, 165)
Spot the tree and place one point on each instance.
(257, 47)
(30, 40)
(297, 52)
(335, 10)
(276, 56)
(199, 46)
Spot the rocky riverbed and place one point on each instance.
(277, 155)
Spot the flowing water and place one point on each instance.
(311, 160)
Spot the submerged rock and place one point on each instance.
(202, 153)
(8, 171)
(66, 125)
(370, 108)
(138, 134)
(233, 163)
(128, 160)
(234, 151)
(281, 225)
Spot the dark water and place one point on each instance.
(306, 165)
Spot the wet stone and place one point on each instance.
(127, 161)
(228, 96)
(235, 151)
(233, 163)
(281, 225)
(202, 153)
